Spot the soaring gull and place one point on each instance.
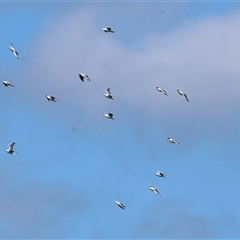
(108, 115)
(161, 90)
(108, 94)
(154, 189)
(7, 83)
(82, 76)
(51, 98)
(120, 205)
(183, 94)
(171, 140)
(107, 29)
(15, 52)
(10, 148)
(160, 174)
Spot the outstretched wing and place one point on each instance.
(11, 146)
(186, 97)
(107, 91)
(81, 77)
(11, 47)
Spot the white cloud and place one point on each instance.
(199, 58)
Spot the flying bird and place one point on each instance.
(155, 190)
(107, 29)
(51, 98)
(171, 140)
(183, 94)
(82, 76)
(120, 205)
(160, 174)
(109, 115)
(15, 52)
(10, 148)
(161, 90)
(108, 94)
(7, 83)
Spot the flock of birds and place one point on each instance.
(108, 115)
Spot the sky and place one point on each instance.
(72, 163)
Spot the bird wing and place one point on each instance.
(52, 97)
(186, 97)
(110, 114)
(81, 77)
(180, 92)
(11, 47)
(11, 146)
(108, 28)
(107, 91)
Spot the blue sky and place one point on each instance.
(72, 163)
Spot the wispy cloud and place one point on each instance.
(199, 58)
(175, 220)
(39, 209)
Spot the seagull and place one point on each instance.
(160, 174)
(161, 90)
(183, 94)
(171, 140)
(15, 52)
(82, 76)
(120, 205)
(108, 115)
(10, 148)
(108, 94)
(155, 190)
(7, 83)
(51, 98)
(107, 29)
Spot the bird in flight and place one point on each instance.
(15, 52)
(161, 90)
(160, 174)
(183, 94)
(51, 98)
(171, 140)
(10, 148)
(82, 76)
(7, 83)
(107, 29)
(120, 205)
(154, 189)
(108, 94)
(109, 115)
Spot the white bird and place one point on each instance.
(51, 98)
(155, 190)
(10, 148)
(171, 140)
(82, 76)
(108, 94)
(161, 90)
(107, 29)
(160, 174)
(109, 115)
(7, 83)
(183, 94)
(120, 205)
(15, 52)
